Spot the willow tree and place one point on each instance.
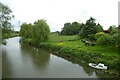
(35, 33)
(41, 31)
(26, 30)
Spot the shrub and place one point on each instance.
(91, 37)
(116, 39)
(99, 34)
(104, 40)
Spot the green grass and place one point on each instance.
(92, 49)
(59, 38)
(97, 54)
(71, 45)
(73, 42)
(10, 35)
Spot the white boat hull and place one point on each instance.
(97, 66)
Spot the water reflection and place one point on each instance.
(24, 61)
(88, 70)
(6, 65)
(39, 56)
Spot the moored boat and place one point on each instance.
(99, 66)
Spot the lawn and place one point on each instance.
(59, 38)
(73, 46)
(74, 42)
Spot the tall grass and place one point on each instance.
(60, 38)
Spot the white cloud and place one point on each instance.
(58, 12)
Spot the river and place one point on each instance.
(24, 61)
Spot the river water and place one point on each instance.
(24, 61)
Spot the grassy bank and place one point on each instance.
(59, 38)
(71, 46)
(10, 35)
(6, 36)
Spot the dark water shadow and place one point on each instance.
(39, 57)
(88, 70)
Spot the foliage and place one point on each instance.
(5, 20)
(71, 29)
(91, 37)
(56, 32)
(41, 31)
(107, 55)
(99, 28)
(60, 38)
(105, 40)
(113, 29)
(36, 33)
(99, 34)
(26, 30)
(90, 28)
(116, 39)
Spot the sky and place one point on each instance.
(58, 12)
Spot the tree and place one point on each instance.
(71, 28)
(26, 30)
(76, 28)
(99, 28)
(41, 31)
(113, 29)
(5, 20)
(89, 28)
(66, 29)
(35, 33)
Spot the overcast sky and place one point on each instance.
(58, 12)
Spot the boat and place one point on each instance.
(99, 66)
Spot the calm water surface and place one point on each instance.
(24, 61)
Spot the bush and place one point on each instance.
(99, 34)
(91, 37)
(116, 39)
(104, 40)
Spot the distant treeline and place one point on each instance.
(92, 32)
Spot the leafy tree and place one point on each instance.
(41, 30)
(56, 32)
(26, 30)
(89, 28)
(5, 20)
(66, 29)
(99, 28)
(113, 29)
(76, 27)
(36, 33)
(71, 28)
(5, 25)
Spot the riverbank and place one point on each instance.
(27, 61)
(95, 54)
(10, 36)
(75, 48)
(3, 41)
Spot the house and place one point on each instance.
(106, 31)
